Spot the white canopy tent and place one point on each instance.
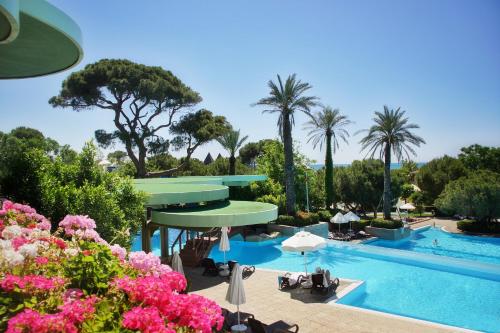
(350, 216)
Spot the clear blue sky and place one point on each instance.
(439, 60)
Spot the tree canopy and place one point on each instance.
(144, 100)
(477, 157)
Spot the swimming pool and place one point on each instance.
(484, 249)
(393, 285)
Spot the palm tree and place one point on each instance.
(328, 126)
(231, 142)
(285, 100)
(391, 132)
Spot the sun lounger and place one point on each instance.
(247, 270)
(231, 318)
(290, 280)
(278, 327)
(322, 283)
(211, 268)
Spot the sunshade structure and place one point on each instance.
(36, 39)
(351, 217)
(224, 245)
(303, 242)
(339, 219)
(200, 204)
(407, 206)
(236, 293)
(177, 263)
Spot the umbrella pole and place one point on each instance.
(305, 262)
(238, 308)
(224, 257)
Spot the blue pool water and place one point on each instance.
(155, 241)
(413, 290)
(484, 249)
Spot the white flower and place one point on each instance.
(71, 252)
(12, 231)
(5, 244)
(29, 250)
(13, 258)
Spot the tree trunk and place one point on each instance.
(387, 182)
(232, 165)
(141, 165)
(289, 172)
(328, 171)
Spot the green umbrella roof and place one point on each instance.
(178, 193)
(229, 213)
(36, 39)
(228, 180)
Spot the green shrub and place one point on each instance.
(286, 220)
(325, 215)
(387, 224)
(474, 226)
(360, 225)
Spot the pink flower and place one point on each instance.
(41, 261)
(147, 263)
(19, 241)
(31, 283)
(72, 223)
(145, 320)
(118, 251)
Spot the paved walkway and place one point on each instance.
(269, 305)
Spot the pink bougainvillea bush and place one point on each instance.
(74, 281)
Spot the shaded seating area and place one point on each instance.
(231, 318)
(210, 267)
(322, 283)
(290, 280)
(246, 270)
(277, 327)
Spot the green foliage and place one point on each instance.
(478, 227)
(434, 175)
(476, 195)
(196, 129)
(93, 268)
(324, 215)
(60, 186)
(391, 134)
(387, 224)
(252, 150)
(301, 219)
(406, 191)
(143, 100)
(328, 126)
(117, 157)
(477, 157)
(285, 99)
(418, 200)
(361, 185)
(231, 142)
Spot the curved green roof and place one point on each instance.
(229, 213)
(171, 194)
(228, 180)
(36, 39)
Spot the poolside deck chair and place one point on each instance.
(278, 327)
(247, 270)
(211, 268)
(318, 283)
(231, 319)
(288, 281)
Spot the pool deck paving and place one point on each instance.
(297, 306)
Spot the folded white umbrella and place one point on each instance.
(224, 241)
(236, 293)
(303, 241)
(177, 263)
(339, 219)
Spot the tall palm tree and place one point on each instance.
(328, 126)
(231, 142)
(391, 132)
(285, 100)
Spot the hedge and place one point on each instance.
(474, 226)
(301, 219)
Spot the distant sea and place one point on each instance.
(394, 166)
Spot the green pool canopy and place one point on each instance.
(36, 39)
(202, 202)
